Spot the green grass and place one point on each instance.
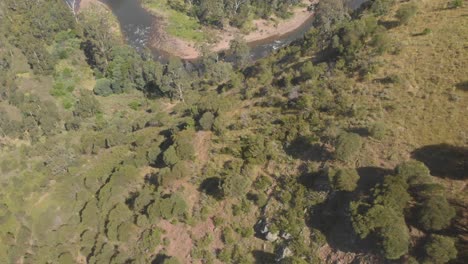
(179, 24)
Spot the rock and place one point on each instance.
(282, 253)
(286, 235)
(261, 227)
(272, 237)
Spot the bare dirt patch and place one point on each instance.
(202, 146)
(180, 244)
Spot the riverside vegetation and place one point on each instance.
(347, 146)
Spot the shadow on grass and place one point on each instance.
(333, 220)
(463, 86)
(262, 257)
(302, 148)
(389, 24)
(444, 160)
(370, 176)
(211, 186)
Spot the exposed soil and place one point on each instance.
(180, 242)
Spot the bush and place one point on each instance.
(347, 145)
(413, 171)
(378, 131)
(395, 240)
(170, 207)
(170, 157)
(206, 121)
(440, 249)
(435, 213)
(87, 105)
(456, 4)
(345, 180)
(170, 260)
(103, 87)
(253, 149)
(184, 144)
(406, 12)
(235, 185)
(381, 7)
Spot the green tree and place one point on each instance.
(103, 87)
(206, 121)
(413, 172)
(170, 157)
(435, 213)
(235, 185)
(240, 52)
(395, 240)
(347, 145)
(440, 249)
(345, 179)
(184, 144)
(87, 105)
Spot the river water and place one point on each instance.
(138, 25)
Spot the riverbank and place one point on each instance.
(263, 30)
(165, 38)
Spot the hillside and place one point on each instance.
(348, 146)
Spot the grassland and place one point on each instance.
(178, 24)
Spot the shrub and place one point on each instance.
(347, 145)
(170, 260)
(395, 240)
(253, 149)
(134, 105)
(406, 12)
(345, 180)
(184, 144)
(170, 207)
(206, 121)
(381, 7)
(180, 170)
(426, 31)
(103, 87)
(86, 106)
(413, 171)
(235, 185)
(435, 213)
(456, 4)
(219, 125)
(378, 131)
(170, 157)
(440, 249)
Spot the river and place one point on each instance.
(138, 25)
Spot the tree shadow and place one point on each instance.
(444, 160)
(211, 186)
(160, 258)
(302, 148)
(262, 257)
(317, 181)
(361, 131)
(333, 220)
(463, 86)
(370, 176)
(389, 24)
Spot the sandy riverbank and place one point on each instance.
(86, 3)
(264, 29)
